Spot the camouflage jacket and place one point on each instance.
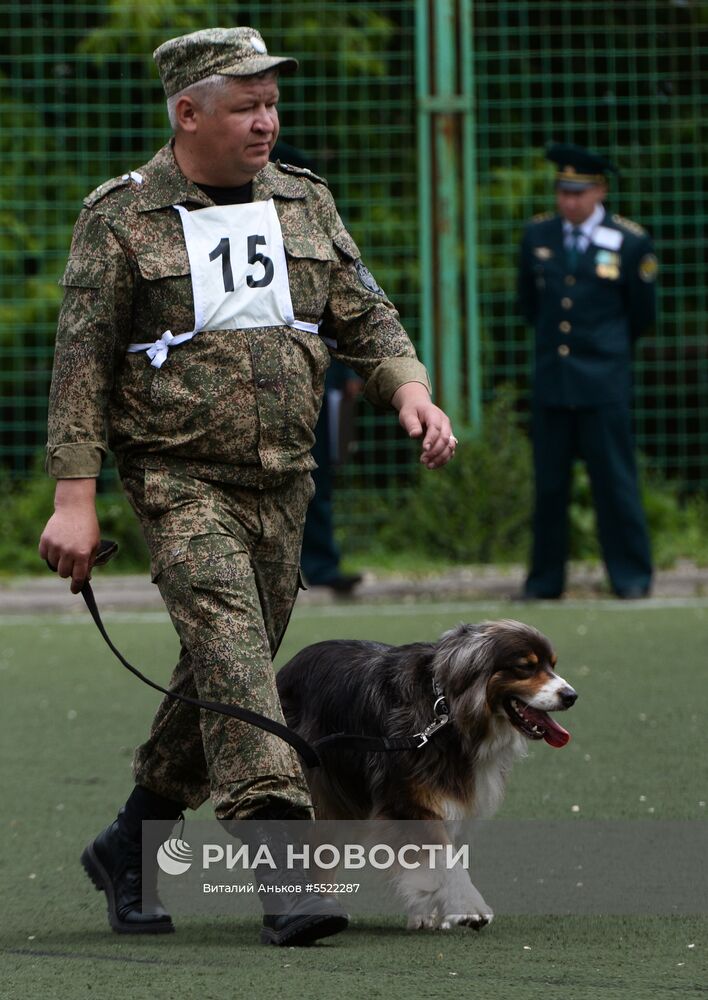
(233, 405)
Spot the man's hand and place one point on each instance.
(419, 416)
(71, 537)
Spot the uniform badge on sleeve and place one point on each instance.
(367, 279)
(648, 267)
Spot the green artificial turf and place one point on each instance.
(71, 716)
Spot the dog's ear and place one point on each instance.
(463, 654)
(515, 641)
(459, 630)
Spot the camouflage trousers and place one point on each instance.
(226, 561)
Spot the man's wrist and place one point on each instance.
(410, 392)
(74, 493)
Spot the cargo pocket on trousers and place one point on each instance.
(217, 563)
(172, 555)
(206, 581)
(224, 587)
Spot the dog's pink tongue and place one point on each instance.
(553, 734)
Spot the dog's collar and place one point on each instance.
(442, 716)
(440, 707)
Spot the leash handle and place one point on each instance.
(106, 550)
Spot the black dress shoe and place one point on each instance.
(525, 596)
(345, 583)
(311, 918)
(113, 862)
(633, 593)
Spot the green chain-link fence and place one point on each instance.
(81, 102)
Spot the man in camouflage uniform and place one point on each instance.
(203, 295)
(586, 283)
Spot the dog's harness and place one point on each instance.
(310, 752)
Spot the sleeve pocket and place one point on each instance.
(83, 272)
(154, 266)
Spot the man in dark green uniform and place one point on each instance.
(586, 284)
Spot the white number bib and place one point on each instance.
(238, 270)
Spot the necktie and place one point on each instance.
(573, 251)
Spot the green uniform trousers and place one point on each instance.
(226, 561)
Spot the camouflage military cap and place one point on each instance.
(226, 51)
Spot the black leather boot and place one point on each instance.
(293, 917)
(113, 862)
(310, 918)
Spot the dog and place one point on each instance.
(495, 682)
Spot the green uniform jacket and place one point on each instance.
(231, 405)
(585, 321)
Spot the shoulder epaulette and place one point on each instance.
(542, 217)
(633, 227)
(112, 185)
(288, 168)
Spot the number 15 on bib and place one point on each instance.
(238, 267)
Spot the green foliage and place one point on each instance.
(136, 27)
(28, 155)
(23, 511)
(477, 508)
(678, 526)
(355, 41)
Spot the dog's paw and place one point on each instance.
(474, 920)
(422, 922)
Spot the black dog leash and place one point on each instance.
(308, 751)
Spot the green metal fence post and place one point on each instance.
(447, 204)
(447, 156)
(425, 205)
(469, 186)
